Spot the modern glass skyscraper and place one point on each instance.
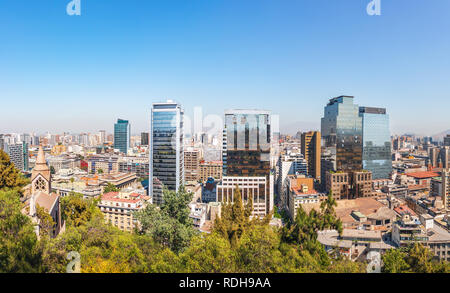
(341, 129)
(247, 145)
(122, 130)
(376, 142)
(166, 148)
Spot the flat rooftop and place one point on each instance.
(344, 209)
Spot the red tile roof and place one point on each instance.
(299, 190)
(423, 174)
(401, 210)
(113, 196)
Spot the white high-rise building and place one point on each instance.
(102, 135)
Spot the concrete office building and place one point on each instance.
(349, 185)
(254, 187)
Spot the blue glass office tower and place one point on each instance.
(122, 130)
(376, 142)
(341, 129)
(166, 148)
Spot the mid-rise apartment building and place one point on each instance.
(118, 209)
(62, 162)
(411, 229)
(349, 185)
(103, 164)
(301, 194)
(191, 165)
(210, 170)
(138, 165)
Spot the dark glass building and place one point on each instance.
(144, 138)
(122, 137)
(341, 129)
(376, 142)
(246, 152)
(247, 143)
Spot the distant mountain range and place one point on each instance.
(293, 128)
(303, 126)
(440, 136)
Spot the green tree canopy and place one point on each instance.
(103, 249)
(110, 188)
(10, 177)
(235, 219)
(169, 224)
(77, 211)
(19, 249)
(209, 254)
(394, 262)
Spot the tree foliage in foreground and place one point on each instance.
(169, 224)
(251, 246)
(110, 188)
(413, 259)
(77, 211)
(235, 219)
(19, 248)
(10, 176)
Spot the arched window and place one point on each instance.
(40, 185)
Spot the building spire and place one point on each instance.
(41, 163)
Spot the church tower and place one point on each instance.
(41, 176)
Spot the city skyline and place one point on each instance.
(79, 74)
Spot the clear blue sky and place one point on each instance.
(81, 73)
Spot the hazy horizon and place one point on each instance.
(80, 73)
